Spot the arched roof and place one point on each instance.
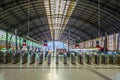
(82, 24)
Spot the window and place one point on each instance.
(117, 42)
(110, 42)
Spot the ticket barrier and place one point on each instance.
(112, 59)
(49, 58)
(32, 58)
(104, 59)
(89, 59)
(80, 58)
(65, 58)
(1, 57)
(24, 57)
(14, 58)
(73, 58)
(40, 58)
(6, 57)
(57, 58)
(118, 59)
(97, 59)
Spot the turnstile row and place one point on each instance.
(98, 59)
(16, 58)
(81, 59)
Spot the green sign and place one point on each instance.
(77, 41)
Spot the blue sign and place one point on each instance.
(97, 42)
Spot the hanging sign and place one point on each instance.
(45, 44)
(24, 43)
(76, 45)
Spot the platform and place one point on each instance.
(59, 71)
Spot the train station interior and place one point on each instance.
(59, 39)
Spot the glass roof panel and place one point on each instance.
(58, 13)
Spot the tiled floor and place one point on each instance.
(59, 72)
